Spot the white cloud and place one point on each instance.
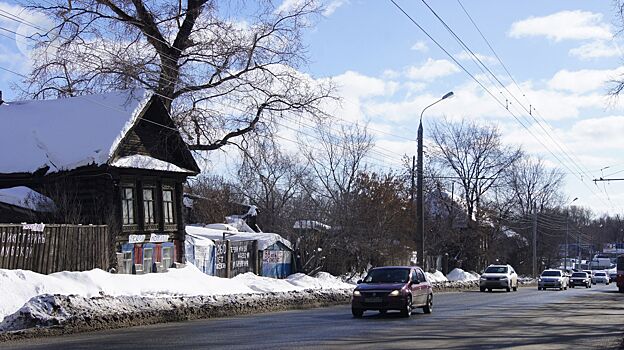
(598, 134)
(564, 25)
(328, 6)
(596, 49)
(432, 69)
(333, 5)
(420, 46)
(466, 56)
(585, 80)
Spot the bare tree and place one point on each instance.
(220, 75)
(270, 179)
(533, 184)
(475, 154)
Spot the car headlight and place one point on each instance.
(394, 293)
(539, 279)
(356, 293)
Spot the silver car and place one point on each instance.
(498, 277)
(600, 277)
(553, 279)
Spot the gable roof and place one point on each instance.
(68, 133)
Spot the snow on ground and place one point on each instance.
(17, 287)
(436, 277)
(460, 275)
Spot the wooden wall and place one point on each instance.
(55, 248)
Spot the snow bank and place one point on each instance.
(298, 281)
(459, 275)
(436, 277)
(17, 287)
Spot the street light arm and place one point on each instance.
(447, 95)
(423, 111)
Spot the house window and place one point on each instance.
(127, 205)
(148, 206)
(168, 206)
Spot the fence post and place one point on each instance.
(228, 259)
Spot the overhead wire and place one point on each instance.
(561, 145)
(494, 97)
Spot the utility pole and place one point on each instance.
(420, 222)
(565, 263)
(534, 240)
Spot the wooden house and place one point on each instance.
(116, 159)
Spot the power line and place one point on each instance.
(492, 95)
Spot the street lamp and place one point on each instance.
(420, 222)
(565, 262)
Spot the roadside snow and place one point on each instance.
(436, 277)
(17, 287)
(460, 275)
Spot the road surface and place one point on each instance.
(527, 319)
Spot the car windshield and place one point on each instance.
(496, 269)
(387, 276)
(579, 274)
(551, 273)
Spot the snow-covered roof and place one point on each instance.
(26, 198)
(264, 239)
(140, 161)
(66, 133)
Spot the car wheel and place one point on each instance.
(571, 286)
(428, 308)
(357, 313)
(539, 288)
(407, 309)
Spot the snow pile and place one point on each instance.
(17, 287)
(436, 277)
(459, 275)
(322, 280)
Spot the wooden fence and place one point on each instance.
(52, 248)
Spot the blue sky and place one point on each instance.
(561, 53)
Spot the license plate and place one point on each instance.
(372, 300)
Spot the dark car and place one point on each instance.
(399, 288)
(580, 278)
(612, 276)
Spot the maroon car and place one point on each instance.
(392, 288)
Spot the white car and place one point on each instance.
(600, 277)
(498, 277)
(553, 279)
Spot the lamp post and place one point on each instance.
(420, 222)
(565, 262)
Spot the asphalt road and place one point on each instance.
(527, 319)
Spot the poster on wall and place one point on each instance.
(221, 258)
(243, 257)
